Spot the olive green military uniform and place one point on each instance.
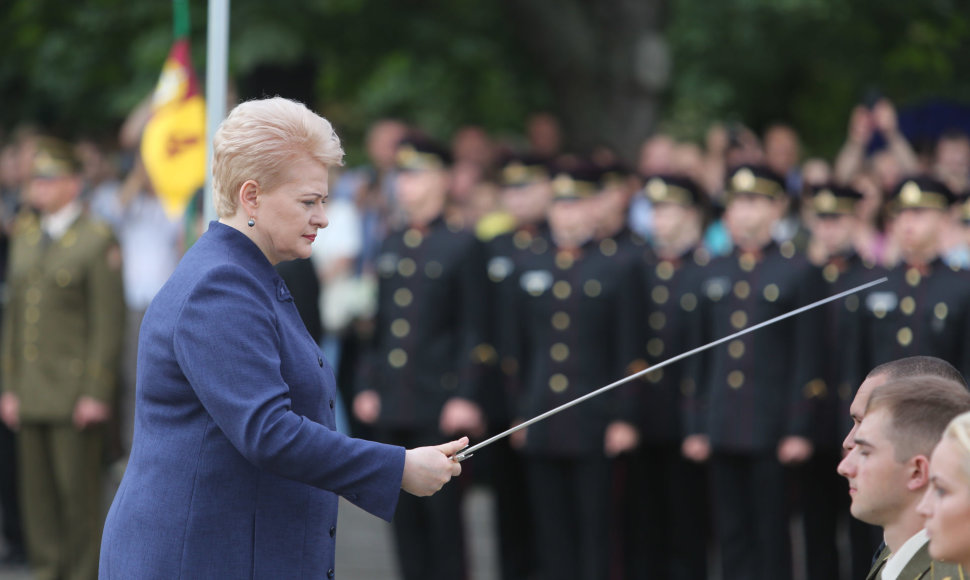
(61, 341)
(920, 567)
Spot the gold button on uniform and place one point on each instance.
(657, 320)
(608, 247)
(406, 267)
(522, 239)
(562, 289)
(688, 302)
(742, 289)
(564, 260)
(736, 348)
(558, 382)
(747, 262)
(814, 388)
(940, 310)
(771, 292)
(433, 269)
(735, 379)
(32, 314)
(592, 288)
(904, 336)
(907, 305)
(655, 347)
(655, 376)
(560, 320)
(913, 277)
(660, 294)
(665, 270)
(403, 297)
(787, 249)
(830, 273)
(400, 328)
(412, 238)
(63, 278)
(398, 358)
(739, 319)
(559, 352)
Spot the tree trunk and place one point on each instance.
(607, 63)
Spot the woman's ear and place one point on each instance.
(249, 197)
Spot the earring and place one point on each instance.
(251, 222)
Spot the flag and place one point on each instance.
(173, 145)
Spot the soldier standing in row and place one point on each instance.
(576, 317)
(924, 308)
(421, 377)
(669, 523)
(61, 346)
(526, 194)
(823, 494)
(751, 414)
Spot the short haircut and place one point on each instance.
(959, 432)
(260, 139)
(914, 366)
(919, 409)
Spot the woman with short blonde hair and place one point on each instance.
(946, 504)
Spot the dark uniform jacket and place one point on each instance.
(428, 344)
(577, 323)
(64, 317)
(917, 312)
(755, 390)
(670, 299)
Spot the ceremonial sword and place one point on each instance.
(469, 451)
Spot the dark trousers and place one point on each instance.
(504, 471)
(9, 497)
(751, 516)
(570, 507)
(668, 524)
(428, 531)
(824, 499)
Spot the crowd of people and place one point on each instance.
(461, 289)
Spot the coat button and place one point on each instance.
(333, 531)
(331, 404)
(330, 573)
(320, 361)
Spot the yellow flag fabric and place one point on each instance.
(173, 145)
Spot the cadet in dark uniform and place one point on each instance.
(576, 320)
(62, 332)
(752, 415)
(822, 492)
(670, 528)
(421, 378)
(614, 236)
(924, 308)
(526, 195)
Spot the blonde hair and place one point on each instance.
(260, 139)
(958, 430)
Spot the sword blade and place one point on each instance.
(469, 451)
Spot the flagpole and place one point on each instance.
(216, 78)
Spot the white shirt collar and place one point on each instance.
(57, 223)
(894, 566)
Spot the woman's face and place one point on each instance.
(289, 216)
(946, 504)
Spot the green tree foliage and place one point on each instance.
(80, 66)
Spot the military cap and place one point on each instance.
(54, 158)
(418, 153)
(578, 181)
(672, 189)
(519, 170)
(614, 173)
(834, 200)
(921, 193)
(755, 180)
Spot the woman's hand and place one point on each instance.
(428, 469)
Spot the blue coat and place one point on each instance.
(236, 465)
